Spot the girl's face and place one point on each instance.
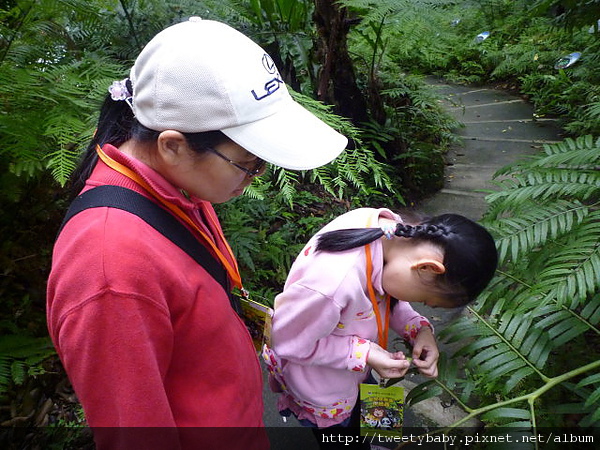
(209, 176)
(410, 270)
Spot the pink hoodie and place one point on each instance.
(324, 321)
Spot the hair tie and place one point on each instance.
(121, 90)
(389, 230)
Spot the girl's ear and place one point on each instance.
(430, 266)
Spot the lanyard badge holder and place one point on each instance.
(258, 319)
(381, 406)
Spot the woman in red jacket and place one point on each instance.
(148, 337)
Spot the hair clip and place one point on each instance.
(389, 230)
(120, 90)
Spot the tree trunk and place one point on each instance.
(337, 81)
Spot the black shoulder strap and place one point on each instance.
(158, 218)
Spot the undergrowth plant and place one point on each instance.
(525, 41)
(266, 235)
(408, 128)
(20, 357)
(531, 343)
(356, 169)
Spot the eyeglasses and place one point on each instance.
(258, 167)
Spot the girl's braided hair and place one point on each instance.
(470, 254)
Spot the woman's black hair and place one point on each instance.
(116, 125)
(470, 255)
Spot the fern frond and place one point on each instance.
(18, 353)
(591, 311)
(255, 191)
(561, 327)
(286, 181)
(355, 167)
(569, 170)
(542, 186)
(583, 154)
(486, 347)
(572, 273)
(572, 146)
(18, 372)
(588, 391)
(535, 225)
(5, 373)
(423, 391)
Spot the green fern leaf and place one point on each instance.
(593, 398)
(502, 414)
(517, 378)
(572, 273)
(592, 379)
(17, 371)
(531, 228)
(591, 311)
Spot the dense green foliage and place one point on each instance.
(529, 346)
(526, 39)
(57, 59)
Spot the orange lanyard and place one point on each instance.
(382, 327)
(232, 270)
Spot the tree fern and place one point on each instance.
(528, 342)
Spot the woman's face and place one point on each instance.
(211, 177)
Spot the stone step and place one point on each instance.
(519, 130)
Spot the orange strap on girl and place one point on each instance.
(382, 326)
(231, 268)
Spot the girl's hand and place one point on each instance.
(425, 353)
(386, 364)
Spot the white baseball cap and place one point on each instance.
(203, 75)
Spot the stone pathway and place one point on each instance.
(499, 128)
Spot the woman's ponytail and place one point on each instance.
(114, 127)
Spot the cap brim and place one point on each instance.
(292, 138)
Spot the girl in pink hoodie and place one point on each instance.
(346, 288)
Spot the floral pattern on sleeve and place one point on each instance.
(277, 384)
(412, 329)
(273, 363)
(358, 356)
